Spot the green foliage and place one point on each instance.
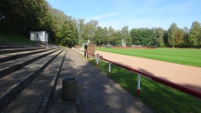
(68, 33)
(125, 35)
(171, 34)
(99, 36)
(22, 16)
(159, 36)
(17, 39)
(195, 35)
(175, 35)
(144, 36)
(180, 56)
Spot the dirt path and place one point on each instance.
(188, 76)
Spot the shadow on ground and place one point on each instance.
(99, 94)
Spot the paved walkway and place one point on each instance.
(98, 93)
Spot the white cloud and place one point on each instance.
(103, 16)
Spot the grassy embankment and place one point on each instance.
(180, 56)
(15, 39)
(158, 97)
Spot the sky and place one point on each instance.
(133, 13)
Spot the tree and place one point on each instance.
(117, 38)
(69, 34)
(105, 35)
(99, 35)
(171, 34)
(12, 16)
(111, 35)
(165, 38)
(144, 36)
(185, 37)
(195, 35)
(158, 36)
(134, 35)
(89, 30)
(125, 35)
(81, 33)
(179, 34)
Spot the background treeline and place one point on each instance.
(173, 37)
(23, 16)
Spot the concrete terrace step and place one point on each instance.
(56, 103)
(9, 45)
(12, 56)
(13, 50)
(12, 84)
(38, 91)
(13, 65)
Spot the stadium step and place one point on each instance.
(34, 97)
(12, 84)
(13, 65)
(13, 50)
(9, 45)
(56, 104)
(12, 56)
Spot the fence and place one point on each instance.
(162, 81)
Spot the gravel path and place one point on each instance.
(188, 76)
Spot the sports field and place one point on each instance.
(158, 97)
(180, 56)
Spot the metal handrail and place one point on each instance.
(160, 80)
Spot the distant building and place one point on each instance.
(41, 36)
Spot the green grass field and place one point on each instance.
(160, 98)
(180, 56)
(16, 39)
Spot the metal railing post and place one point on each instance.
(97, 59)
(109, 70)
(138, 84)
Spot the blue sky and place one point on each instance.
(133, 13)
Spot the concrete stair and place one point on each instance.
(13, 50)
(28, 77)
(13, 65)
(9, 45)
(12, 56)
